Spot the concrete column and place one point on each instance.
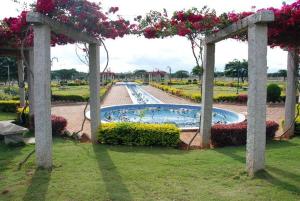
(42, 100)
(30, 79)
(94, 65)
(291, 91)
(207, 95)
(257, 96)
(21, 82)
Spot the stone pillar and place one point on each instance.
(21, 82)
(94, 65)
(30, 79)
(291, 91)
(42, 100)
(207, 95)
(257, 96)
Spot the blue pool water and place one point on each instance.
(148, 109)
(183, 116)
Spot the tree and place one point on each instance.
(5, 63)
(140, 73)
(197, 71)
(237, 68)
(282, 73)
(182, 74)
(66, 74)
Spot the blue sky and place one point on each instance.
(132, 52)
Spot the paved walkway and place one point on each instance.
(119, 95)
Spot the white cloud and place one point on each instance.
(131, 52)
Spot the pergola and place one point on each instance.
(257, 27)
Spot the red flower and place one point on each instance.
(45, 6)
(150, 32)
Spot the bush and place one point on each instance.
(195, 81)
(236, 134)
(139, 134)
(273, 93)
(14, 91)
(242, 98)
(9, 106)
(72, 98)
(59, 123)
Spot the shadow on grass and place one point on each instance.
(272, 175)
(233, 152)
(114, 184)
(38, 187)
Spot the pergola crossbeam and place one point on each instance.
(240, 26)
(57, 27)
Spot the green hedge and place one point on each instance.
(196, 97)
(79, 98)
(137, 134)
(9, 106)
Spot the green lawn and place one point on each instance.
(84, 172)
(194, 88)
(7, 116)
(74, 90)
(218, 90)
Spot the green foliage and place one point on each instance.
(14, 91)
(9, 106)
(139, 134)
(181, 74)
(71, 98)
(197, 71)
(237, 68)
(273, 93)
(13, 70)
(68, 74)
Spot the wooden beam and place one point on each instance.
(60, 28)
(241, 26)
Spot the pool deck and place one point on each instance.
(73, 112)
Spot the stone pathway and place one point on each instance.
(119, 95)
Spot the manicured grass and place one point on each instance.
(84, 172)
(194, 89)
(74, 90)
(7, 116)
(218, 90)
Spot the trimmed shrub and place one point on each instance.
(136, 134)
(9, 106)
(72, 98)
(273, 93)
(229, 98)
(59, 123)
(14, 91)
(236, 134)
(196, 98)
(242, 98)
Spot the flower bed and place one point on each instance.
(196, 97)
(236, 134)
(139, 134)
(59, 123)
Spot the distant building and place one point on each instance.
(107, 76)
